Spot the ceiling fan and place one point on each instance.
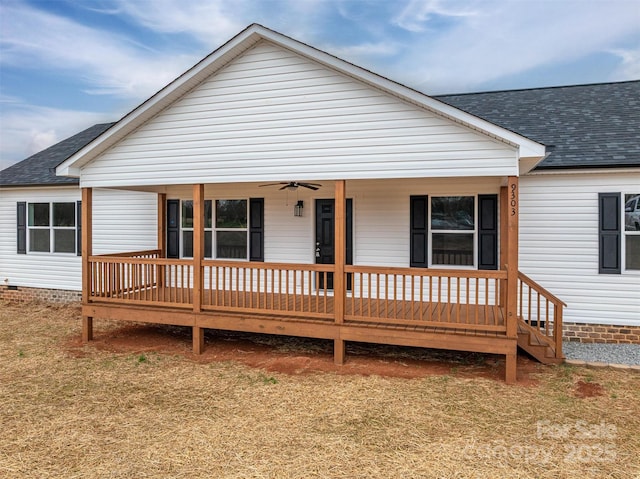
(293, 185)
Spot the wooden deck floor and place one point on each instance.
(465, 319)
(471, 328)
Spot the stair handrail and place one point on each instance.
(557, 303)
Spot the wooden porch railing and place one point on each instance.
(141, 280)
(454, 299)
(147, 253)
(541, 310)
(268, 288)
(416, 297)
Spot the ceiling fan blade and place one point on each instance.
(292, 185)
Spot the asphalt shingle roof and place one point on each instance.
(583, 126)
(39, 169)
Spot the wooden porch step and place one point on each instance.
(535, 343)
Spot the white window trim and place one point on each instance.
(183, 229)
(213, 229)
(51, 230)
(474, 231)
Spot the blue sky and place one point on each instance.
(67, 64)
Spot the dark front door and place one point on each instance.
(325, 238)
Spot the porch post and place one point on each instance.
(512, 273)
(87, 251)
(198, 254)
(339, 257)
(504, 219)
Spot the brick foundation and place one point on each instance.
(601, 333)
(22, 294)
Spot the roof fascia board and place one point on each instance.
(584, 170)
(46, 186)
(245, 40)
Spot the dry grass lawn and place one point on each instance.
(113, 415)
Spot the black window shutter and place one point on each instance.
(487, 231)
(610, 237)
(79, 228)
(173, 228)
(22, 227)
(419, 237)
(256, 229)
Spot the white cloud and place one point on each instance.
(105, 62)
(41, 140)
(210, 21)
(508, 38)
(379, 49)
(629, 69)
(416, 15)
(27, 129)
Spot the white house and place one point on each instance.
(40, 223)
(445, 199)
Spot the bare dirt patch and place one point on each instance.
(295, 356)
(588, 390)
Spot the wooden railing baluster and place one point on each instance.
(410, 296)
(553, 325)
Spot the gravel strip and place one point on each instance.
(603, 353)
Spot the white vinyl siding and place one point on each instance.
(123, 221)
(558, 232)
(37, 270)
(274, 115)
(559, 245)
(380, 215)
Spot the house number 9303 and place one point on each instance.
(513, 202)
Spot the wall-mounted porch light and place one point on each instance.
(297, 209)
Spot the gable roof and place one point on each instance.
(39, 169)
(247, 39)
(583, 126)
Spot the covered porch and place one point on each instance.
(491, 311)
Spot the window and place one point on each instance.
(453, 230)
(51, 227)
(230, 230)
(619, 232)
(632, 231)
(457, 231)
(187, 229)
